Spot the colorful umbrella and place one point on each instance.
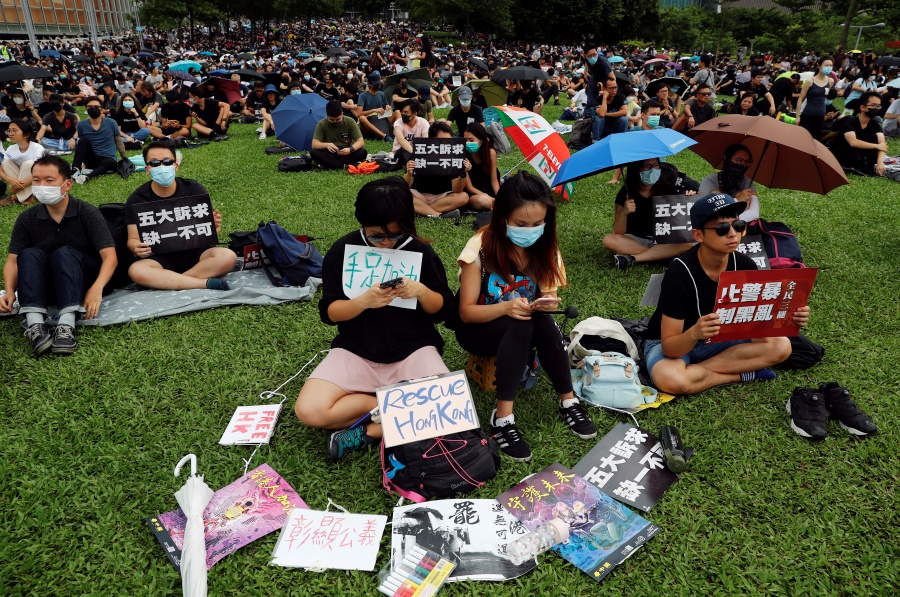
(185, 65)
(231, 89)
(49, 54)
(180, 74)
(193, 498)
(541, 146)
(296, 118)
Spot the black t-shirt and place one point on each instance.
(463, 119)
(255, 102)
(614, 106)
(269, 105)
(60, 130)
(332, 94)
(179, 111)
(208, 114)
(128, 122)
(45, 109)
(82, 228)
(388, 334)
(701, 114)
(526, 99)
(641, 222)
(185, 187)
(687, 293)
(845, 154)
(406, 95)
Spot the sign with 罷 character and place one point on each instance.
(440, 157)
(365, 267)
(672, 219)
(170, 225)
(760, 303)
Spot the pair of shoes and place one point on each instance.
(78, 177)
(8, 200)
(342, 442)
(810, 410)
(509, 439)
(262, 136)
(64, 341)
(223, 138)
(623, 262)
(575, 416)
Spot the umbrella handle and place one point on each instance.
(193, 459)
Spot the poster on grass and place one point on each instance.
(332, 540)
(251, 425)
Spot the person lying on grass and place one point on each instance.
(192, 268)
(678, 357)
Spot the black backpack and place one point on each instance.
(804, 353)
(300, 163)
(114, 214)
(582, 133)
(440, 467)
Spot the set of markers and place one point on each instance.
(420, 573)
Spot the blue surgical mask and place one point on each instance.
(649, 177)
(128, 105)
(465, 103)
(164, 176)
(592, 61)
(653, 120)
(826, 70)
(524, 236)
(296, 91)
(472, 147)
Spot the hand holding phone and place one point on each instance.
(392, 283)
(544, 301)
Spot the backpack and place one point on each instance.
(125, 167)
(296, 261)
(582, 134)
(804, 353)
(596, 335)
(299, 163)
(386, 162)
(440, 467)
(114, 214)
(780, 243)
(498, 138)
(610, 379)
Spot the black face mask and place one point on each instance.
(93, 112)
(406, 118)
(403, 84)
(735, 169)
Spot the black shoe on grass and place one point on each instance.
(845, 411)
(808, 415)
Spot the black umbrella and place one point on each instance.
(159, 54)
(146, 55)
(519, 73)
(126, 62)
(82, 58)
(66, 52)
(13, 71)
(245, 56)
(313, 66)
(272, 78)
(480, 64)
(337, 52)
(623, 79)
(676, 85)
(888, 61)
(246, 73)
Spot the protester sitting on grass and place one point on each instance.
(440, 93)
(437, 196)
(57, 130)
(175, 119)
(612, 113)
(406, 128)
(17, 162)
(892, 119)
(271, 100)
(60, 253)
(371, 105)
(427, 110)
(633, 239)
(744, 107)
(650, 119)
(678, 357)
(192, 268)
(465, 113)
(98, 141)
(483, 180)
(337, 141)
(510, 272)
(377, 344)
(131, 121)
(861, 147)
(732, 180)
(210, 117)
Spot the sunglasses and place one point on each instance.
(722, 228)
(165, 162)
(379, 238)
(705, 93)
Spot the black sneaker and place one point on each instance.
(39, 336)
(219, 138)
(623, 262)
(453, 214)
(64, 341)
(576, 417)
(808, 414)
(510, 440)
(845, 411)
(341, 443)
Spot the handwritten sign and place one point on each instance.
(334, 540)
(439, 157)
(672, 219)
(752, 246)
(761, 304)
(251, 425)
(170, 225)
(426, 408)
(365, 267)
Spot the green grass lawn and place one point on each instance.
(89, 442)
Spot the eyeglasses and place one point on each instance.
(165, 162)
(380, 238)
(873, 106)
(648, 167)
(722, 228)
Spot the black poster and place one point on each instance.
(672, 219)
(169, 225)
(752, 246)
(439, 157)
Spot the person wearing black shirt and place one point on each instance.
(58, 126)
(528, 97)
(612, 111)
(174, 118)
(765, 102)
(270, 102)
(678, 357)
(465, 113)
(328, 89)
(377, 344)
(437, 196)
(861, 147)
(131, 121)
(697, 110)
(253, 103)
(210, 116)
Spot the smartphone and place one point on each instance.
(544, 301)
(392, 283)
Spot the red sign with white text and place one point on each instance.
(761, 303)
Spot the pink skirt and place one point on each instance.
(356, 375)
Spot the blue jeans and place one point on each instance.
(653, 352)
(55, 144)
(602, 128)
(140, 134)
(62, 276)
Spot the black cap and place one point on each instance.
(708, 206)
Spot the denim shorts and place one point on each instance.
(653, 352)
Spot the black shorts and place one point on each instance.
(179, 261)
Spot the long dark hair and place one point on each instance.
(381, 202)
(633, 177)
(544, 263)
(484, 151)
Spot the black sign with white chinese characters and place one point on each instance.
(170, 225)
(672, 219)
(752, 246)
(628, 466)
(440, 157)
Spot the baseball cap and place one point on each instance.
(464, 93)
(374, 78)
(424, 92)
(709, 206)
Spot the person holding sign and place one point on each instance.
(679, 357)
(732, 180)
(634, 234)
(377, 344)
(337, 140)
(509, 274)
(192, 268)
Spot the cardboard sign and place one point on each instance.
(440, 157)
(170, 225)
(426, 408)
(627, 465)
(334, 540)
(252, 256)
(251, 425)
(752, 246)
(672, 219)
(761, 304)
(365, 267)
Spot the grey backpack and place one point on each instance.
(498, 137)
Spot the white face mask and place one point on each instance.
(47, 195)
(18, 101)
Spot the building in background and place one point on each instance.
(67, 18)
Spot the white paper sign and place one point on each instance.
(457, 81)
(365, 267)
(426, 408)
(251, 425)
(333, 540)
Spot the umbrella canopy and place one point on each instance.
(655, 61)
(417, 78)
(66, 52)
(676, 85)
(784, 156)
(193, 498)
(185, 65)
(81, 58)
(231, 89)
(313, 66)
(189, 53)
(617, 150)
(542, 146)
(246, 73)
(13, 71)
(49, 54)
(206, 53)
(519, 73)
(296, 118)
(304, 55)
(180, 74)
(126, 62)
(493, 93)
(616, 60)
(363, 54)
(883, 61)
(894, 83)
(337, 52)
(245, 56)
(480, 64)
(146, 55)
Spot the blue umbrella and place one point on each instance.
(219, 72)
(185, 65)
(619, 149)
(616, 60)
(206, 53)
(304, 55)
(49, 53)
(296, 118)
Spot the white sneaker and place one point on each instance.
(259, 129)
(262, 136)
(79, 178)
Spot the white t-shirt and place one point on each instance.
(418, 129)
(890, 126)
(34, 151)
(580, 99)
